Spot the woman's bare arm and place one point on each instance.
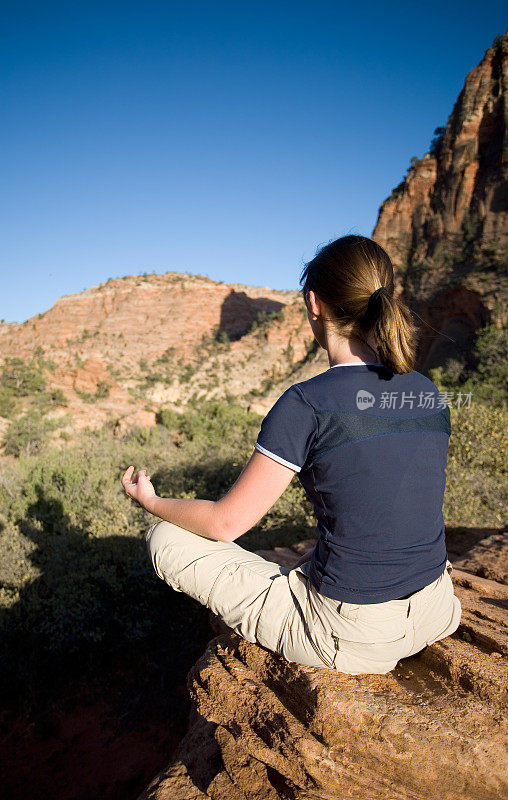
(260, 484)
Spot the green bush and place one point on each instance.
(218, 341)
(8, 404)
(21, 379)
(168, 418)
(476, 488)
(50, 399)
(435, 145)
(167, 356)
(488, 378)
(264, 319)
(101, 391)
(207, 421)
(187, 372)
(28, 434)
(471, 227)
(43, 362)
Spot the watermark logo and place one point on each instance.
(426, 400)
(364, 399)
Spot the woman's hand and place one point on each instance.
(139, 488)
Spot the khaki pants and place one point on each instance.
(278, 608)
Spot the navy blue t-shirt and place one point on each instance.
(370, 449)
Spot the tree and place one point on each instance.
(435, 145)
(21, 379)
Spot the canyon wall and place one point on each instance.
(445, 226)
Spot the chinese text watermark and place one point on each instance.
(424, 400)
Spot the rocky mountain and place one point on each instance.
(464, 175)
(120, 350)
(445, 225)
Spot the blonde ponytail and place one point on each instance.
(395, 334)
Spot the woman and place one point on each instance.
(368, 438)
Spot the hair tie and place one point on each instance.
(376, 294)
(372, 306)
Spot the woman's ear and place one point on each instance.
(315, 305)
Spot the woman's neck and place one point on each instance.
(346, 351)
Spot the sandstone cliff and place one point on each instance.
(466, 173)
(162, 340)
(445, 225)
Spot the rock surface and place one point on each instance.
(434, 727)
(488, 558)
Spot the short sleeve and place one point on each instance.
(289, 429)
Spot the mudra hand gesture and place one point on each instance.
(139, 488)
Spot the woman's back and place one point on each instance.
(370, 447)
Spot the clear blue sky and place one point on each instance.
(227, 139)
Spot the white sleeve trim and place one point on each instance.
(277, 458)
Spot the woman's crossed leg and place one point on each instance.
(232, 582)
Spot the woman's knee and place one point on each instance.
(186, 561)
(160, 538)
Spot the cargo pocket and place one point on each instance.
(451, 622)
(238, 597)
(373, 651)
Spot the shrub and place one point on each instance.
(435, 145)
(471, 227)
(168, 418)
(167, 356)
(101, 391)
(187, 372)
(491, 354)
(45, 400)
(399, 189)
(476, 485)
(488, 377)
(207, 421)
(414, 162)
(289, 352)
(8, 404)
(21, 379)
(264, 319)
(28, 434)
(217, 341)
(113, 371)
